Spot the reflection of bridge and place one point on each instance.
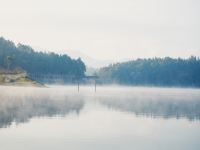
(53, 78)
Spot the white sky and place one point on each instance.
(105, 29)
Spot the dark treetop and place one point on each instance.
(156, 71)
(24, 57)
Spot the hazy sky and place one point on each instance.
(105, 29)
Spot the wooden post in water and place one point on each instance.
(95, 85)
(78, 85)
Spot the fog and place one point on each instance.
(20, 104)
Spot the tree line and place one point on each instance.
(156, 71)
(22, 56)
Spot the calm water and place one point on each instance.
(113, 118)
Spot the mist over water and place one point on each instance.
(114, 117)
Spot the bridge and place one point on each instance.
(58, 78)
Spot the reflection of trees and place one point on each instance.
(21, 104)
(21, 110)
(156, 107)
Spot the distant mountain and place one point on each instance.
(89, 61)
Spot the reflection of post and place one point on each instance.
(95, 85)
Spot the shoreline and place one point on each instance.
(18, 79)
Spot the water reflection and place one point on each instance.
(20, 108)
(155, 102)
(20, 105)
(154, 108)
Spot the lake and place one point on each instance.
(113, 118)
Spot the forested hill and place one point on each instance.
(157, 71)
(21, 56)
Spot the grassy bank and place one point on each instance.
(18, 79)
